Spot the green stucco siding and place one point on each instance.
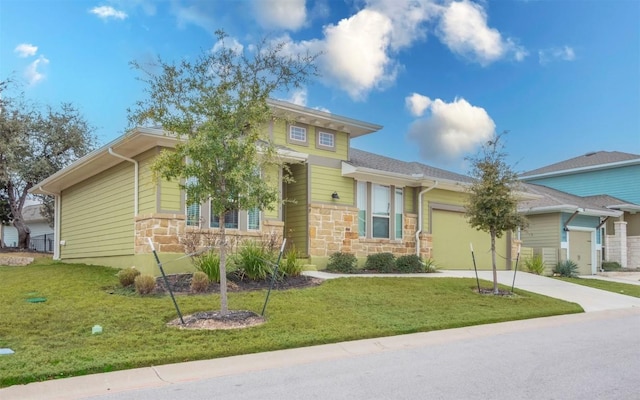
(148, 190)
(296, 212)
(171, 197)
(273, 178)
(97, 216)
(341, 141)
(437, 196)
(325, 181)
(543, 231)
(409, 199)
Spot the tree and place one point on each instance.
(36, 142)
(492, 204)
(218, 104)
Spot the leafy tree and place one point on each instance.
(492, 204)
(218, 103)
(5, 210)
(36, 142)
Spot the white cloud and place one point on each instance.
(407, 17)
(32, 73)
(26, 50)
(463, 28)
(417, 104)
(298, 97)
(564, 53)
(230, 43)
(280, 14)
(108, 12)
(197, 13)
(451, 129)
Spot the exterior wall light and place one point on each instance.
(335, 196)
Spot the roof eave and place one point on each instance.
(635, 161)
(398, 179)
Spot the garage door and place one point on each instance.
(451, 235)
(580, 251)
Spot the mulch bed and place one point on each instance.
(181, 284)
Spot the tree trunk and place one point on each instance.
(24, 233)
(493, 262)
(224, 308)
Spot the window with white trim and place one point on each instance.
(381, 207)
(253, 219)
(399, 203)
(326, 139)
(230, 220)
(193, 209)
(297, 133)
(361, 200)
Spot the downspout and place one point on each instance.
(56, 222)
(135, 179)
(419, 231)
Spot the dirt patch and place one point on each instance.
(14, 257)
(214, 320)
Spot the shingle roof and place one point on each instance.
(360, 158)
(556, 198)
(587, 160)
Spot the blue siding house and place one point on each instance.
(608, 179)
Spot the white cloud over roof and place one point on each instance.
(33, 73)
(280, 14)
(26, 50)
(108, 12)
(450, 129)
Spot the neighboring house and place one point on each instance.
(609, 179)
(41, 233)
(563, 227)
(343, 199)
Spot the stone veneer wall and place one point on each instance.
(169, 232)
(633, 251)
(334, 228)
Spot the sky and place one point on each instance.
(441, 77)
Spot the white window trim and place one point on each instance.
(299, 142)
(322, 146)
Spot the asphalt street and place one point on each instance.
(580, 356)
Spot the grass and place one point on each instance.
(615, 287)
(53, 339)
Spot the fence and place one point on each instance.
(43, 243)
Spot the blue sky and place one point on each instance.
(441, 76)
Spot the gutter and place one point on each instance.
(56, 222)
(419, 231)
(135, 179)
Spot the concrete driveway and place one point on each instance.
(589, 299)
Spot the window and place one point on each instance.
(193, 214)
(361, 194)
(297, 133)
(326, 139)
(381, 210)
(253, 219)
(230, 220)
(399, 207)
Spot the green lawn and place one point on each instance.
(53, 339)
(622, 288)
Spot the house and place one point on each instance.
(563, 227)
(41, 233)
(342, 199)
(610, 179)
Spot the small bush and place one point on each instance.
(290, 265)
(535, 265)
(199, 282)
(127, 276)
(566, 268)
(144, 284)
(409, 264)
(255, 261)
(430, 265)
(209, 263)
(342, 262)
(381, 262)
(611, 266)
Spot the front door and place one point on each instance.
(580, 247)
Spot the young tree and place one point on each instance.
(492, 204)
(35, 143)
(218, 104)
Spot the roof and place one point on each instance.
(360, 158)
(613, 203)
(551, 200)
(589, 161)
(33, 213)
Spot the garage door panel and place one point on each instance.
(451, 235)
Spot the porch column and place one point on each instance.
(621, 237)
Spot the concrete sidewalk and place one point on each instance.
(589, 299)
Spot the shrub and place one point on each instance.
(535, 265)
(199, 282)
(430, 265)
(381, 262)
(342, 262)
(611, 266)
(290, 265)
(566, 268)
(408, 264)
(254, 261)
(144, 284)
(209, 264)
(127, 276)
